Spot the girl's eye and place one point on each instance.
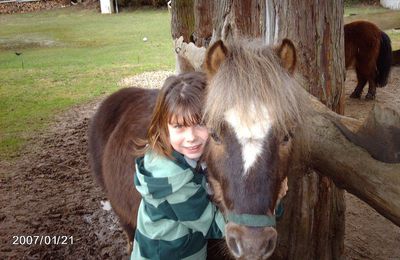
(177, 126)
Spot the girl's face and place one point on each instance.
(188, 140)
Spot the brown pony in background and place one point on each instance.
(369, 50)
(254, 108)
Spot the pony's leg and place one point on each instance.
(358, 90)
(371, 90)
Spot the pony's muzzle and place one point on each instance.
(255, 243)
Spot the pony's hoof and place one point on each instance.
(369, 96)
(355, 95)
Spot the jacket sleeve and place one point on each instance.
(194, 210)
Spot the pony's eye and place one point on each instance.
(215, 137)
(287, 137)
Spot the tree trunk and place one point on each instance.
(203, 17)
(182, 20)
(234, 18)
(182, 25)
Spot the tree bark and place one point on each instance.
(234, 18)
(203, 17)
(182, 25)
(182, 20)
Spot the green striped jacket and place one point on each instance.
(175, 216)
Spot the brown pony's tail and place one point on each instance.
(384, 61)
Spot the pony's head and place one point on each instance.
(253, 111)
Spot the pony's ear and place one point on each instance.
(215, 55)
(287, 53)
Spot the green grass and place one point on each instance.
(71, 56)
(362, 9)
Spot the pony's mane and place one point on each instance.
(251, 78)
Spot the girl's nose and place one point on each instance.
(190, 134)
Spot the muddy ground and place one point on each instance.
(48, 192)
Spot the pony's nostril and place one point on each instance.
(270, 245)
(234, 247)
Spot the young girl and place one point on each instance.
(175, 216)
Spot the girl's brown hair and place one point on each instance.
(179, 101)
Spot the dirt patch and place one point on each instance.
(23, 42)
(49, 192)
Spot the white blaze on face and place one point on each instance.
(251, 137)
